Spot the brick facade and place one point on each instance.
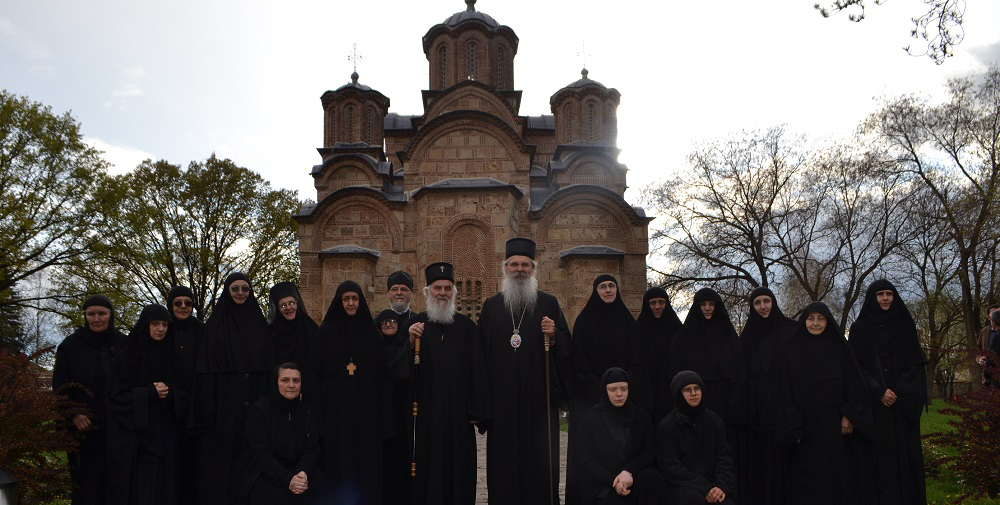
(454, 183)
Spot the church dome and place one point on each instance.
(584, 81)
(355, 84)
(471, 14)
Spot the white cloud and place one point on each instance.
(21, 42)
(122, 158)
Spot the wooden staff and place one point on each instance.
(416, 371)
(548, 418)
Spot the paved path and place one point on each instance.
(481, 493)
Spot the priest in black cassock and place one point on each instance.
(147, 397)
(522, 450)
(352, 402)
(400, 287)
(884, 339)
(84, 363)
(451, 392)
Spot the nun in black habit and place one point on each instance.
(826, 417)
(353, 398)
(884, 340)
(691, 449)
(188, 334)
(147, 400)
(232, 373)
(84, 363)
(605, 335)
(615, 448)
(658, 323)
(280, 466)
(397, 484)
(765, 337)
(293, 332)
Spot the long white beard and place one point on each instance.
(440, 312)
(519, 294)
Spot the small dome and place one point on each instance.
(354, 83)
(471, 14)
(585, 81)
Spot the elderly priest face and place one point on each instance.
(440, 297)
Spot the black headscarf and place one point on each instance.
(606, 332)
(677, 385)
(292, 341)
(880, 332)
(617, 419)
(765, 339)
(278, 400)
(656, 333)
(386, 315)
(707, 346)
(147, 360)
(343, 338)
(236, 335)
(174, 293)
(821, 367)
(110, 337)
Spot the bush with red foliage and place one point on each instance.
(33, 430)
(975, 435)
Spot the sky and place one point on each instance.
(181, 80)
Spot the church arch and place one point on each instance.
(468, 244)
(357, 219)
(586, 215)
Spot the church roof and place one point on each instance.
(543, 122)
(349, 250)
(471, 14)
(591, 251)
(354, 83)
(585, 81)
(467, 184)
(395, 121)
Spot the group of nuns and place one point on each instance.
(185, 412)
(785, 412)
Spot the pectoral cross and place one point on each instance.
(351, 368)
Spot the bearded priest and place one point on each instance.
(527, 342)
(450, 393)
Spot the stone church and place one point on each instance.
(453, 183)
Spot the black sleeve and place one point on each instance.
(725, 477)
(260, 452)
(593, 470)
(668, 460)
(310, 455)
(646, 444)
(563, 357)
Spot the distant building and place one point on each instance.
(455, 182)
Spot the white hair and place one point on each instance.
(437, 312)
(520, 292)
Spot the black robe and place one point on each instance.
(611, 439)
(888, 349)
(655, 336)
(282, 438)
(451, 391)
(292, 341)
(824, 384)
(188, 337)
(604, 336)
(397, 484)
(232, 373)
(692, 452)
(353, 409)
(142, 427)
(84, 363)
(517, 460)
(763, 472)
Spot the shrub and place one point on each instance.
(33, 434)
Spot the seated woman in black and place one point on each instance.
(616, 449)
(282, 440)
(691, 449)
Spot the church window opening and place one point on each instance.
(592, 133)
(443, 65)
(568, 112)
(472, 60)
(501, 72)
(349, 124)
(368, 127)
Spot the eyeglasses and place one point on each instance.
(183, 303)
(389, 322)
(237, 289)
(693, 390)
(288, 305)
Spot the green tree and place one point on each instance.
(168, 226)
(47, 175)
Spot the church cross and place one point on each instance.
(351, 368)
(583, 54)
(355, 57)
(442, 268)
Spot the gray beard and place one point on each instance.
(399, 307)
(441, 313)
(519, 295)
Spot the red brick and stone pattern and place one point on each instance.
(455, 181)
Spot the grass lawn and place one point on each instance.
(942, 490)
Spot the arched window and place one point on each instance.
(568, 112)
(368, 126)
(501, 74)
(591, 129)
(472, 60)
(443, 65)
(349, 125)
(332, 126)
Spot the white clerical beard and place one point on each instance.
(440, 312)
(519, 294)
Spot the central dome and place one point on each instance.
(471, 14)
